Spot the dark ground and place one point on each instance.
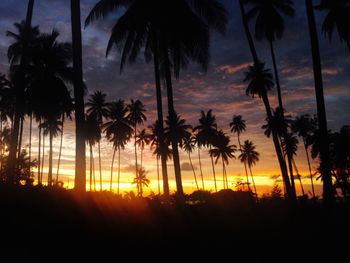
(46, 224)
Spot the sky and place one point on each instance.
(221, 88)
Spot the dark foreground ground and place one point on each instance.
(44, 224)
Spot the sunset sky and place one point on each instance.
(221, 88)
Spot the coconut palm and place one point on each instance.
(198, 144)
(251, 157)
(270, 25)
(118, 131)
(98, 108)
(141, 180)
(51, 126)
(304, 126)
(325, 165)
(260, 82)
(224, 151)
(137, 117)
(142, 139)
(80, 165)
(337, 18)
(238, 126)
(189, 146)
(206, 132)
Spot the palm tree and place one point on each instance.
(51, 127)
(260, 82)
(238, 126)
(270, 26)
(222, 149)
(207, 131)
(251, 157)
(304, 126)
(198, 144)
(337, 18)
(136, 116)
(328, 193)
(164, 33)
(92, 135)
(141, 180)
(98, 107)
(19, 51)
(80, 165)
(189, 146)
(143, 139)
(118, 131)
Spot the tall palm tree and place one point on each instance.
(143, 139)
(270, 25)
(198, 144)
(251, 157)
(141, 180)
(118, 131)
(305, 126)
(137, 117)
(80, 162)
(19, 51)
(337, 18)
(260, 82)
(238, 126)
(92, 135)
(207, 131)
(328, 193)
(222, 149)
(51, 127)
(98, 108)
(189, 146)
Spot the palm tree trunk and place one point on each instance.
(172, 116)
(30, 138)
(43, 159)
(328, 193)
(20, 137)
(309, 165)
(213, 167)
(80, 169)
(19, 102)
(136, 168)
(160, 120)
(251, 175)
(277, 79)
(248, 34)
(118, 170)
(60, 151)
(1, 142)
(111, 180)
(223, 174)
(158, 177)
(93, 170)
(99, 163)
(39, 155)
(245, 164)
(90, 167)
(141, 157)
(299, 178)
(194, 173)
(283, 167)
(290, 165)
(50, 161)
(200, 166)
(225, 170)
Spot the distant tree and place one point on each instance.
(142, 139)
(141, 180)
(189, 146)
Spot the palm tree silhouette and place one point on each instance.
(251, 157)
(51, 127)
(143, 139)
(325, 165)
(260, 82)
(141, 180)
(206, 132)
(305, 126)
(337, 18)
(97, 107)
(136, 116)
(80, 165)
(118, 131)
(270, 25)
(238, 126)
(92, 135)
(189, 146)
(222, 149)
